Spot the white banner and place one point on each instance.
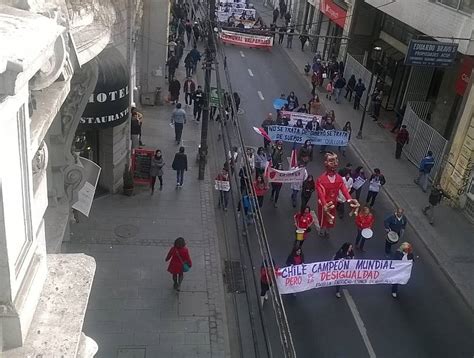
(223, 15)
(247, 40)
(223, 185)
(286, 176)
(294, 116)
(299, 278)
(301, 135)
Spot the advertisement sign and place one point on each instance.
(294, 116)
(286, 176)
(85, 195)
(430, 53)
(465, 71)
(247, 40)
(141, 163)
(299, 278)
(300, 135)
(333, 12)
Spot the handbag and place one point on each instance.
(186, 267)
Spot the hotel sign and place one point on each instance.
(431, 53)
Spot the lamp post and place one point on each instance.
(375, 56)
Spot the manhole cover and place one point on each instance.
(126, 231)
(233, 276)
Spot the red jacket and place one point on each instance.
(176, 265)
(264, 274)
(260, 189)
(364, 221)
(303, 221)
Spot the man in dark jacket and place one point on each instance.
(189, 88)
(198, 99)
(401, 139)
(404, 253)
(359, 90)
(434, 199)
(350, 87)
(276, 13)
(397, 222)
(196, 57)
(180, 164)
(339, 84)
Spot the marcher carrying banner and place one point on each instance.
(299, 278)
(246, 39)
(300, 135)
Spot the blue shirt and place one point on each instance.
(395, 224)
(426, 164)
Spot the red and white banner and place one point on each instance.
(285, 176)
(247, 40)
(299, 278)
(262, 132)
(334, 12)
(294, 116)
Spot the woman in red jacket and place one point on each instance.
(180, 261)
(365, 220)
(303, 221)
(260, 189)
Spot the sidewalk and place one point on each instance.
(449, 240)
(133, 310)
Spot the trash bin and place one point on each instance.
(148, 99)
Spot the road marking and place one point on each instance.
(260, 95)
(242, 54)
(359, 323)
(250, 72)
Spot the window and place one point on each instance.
(466, 6)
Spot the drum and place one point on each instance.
(300, 234)
(367, 233)
(392, 237)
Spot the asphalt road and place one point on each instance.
(428, 320)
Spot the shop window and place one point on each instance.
(466, 6)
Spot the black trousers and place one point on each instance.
(197, 112)
(356, 102)
(398, 150)
(188, 98)
(371, 195)
(178, 131)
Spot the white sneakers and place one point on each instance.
(394, 295)
(338, 294)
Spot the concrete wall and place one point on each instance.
(431, 18)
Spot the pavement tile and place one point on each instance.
(197, 338)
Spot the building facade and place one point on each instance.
(67, 80)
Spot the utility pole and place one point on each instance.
(209, 58)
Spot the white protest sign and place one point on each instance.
(286, 176)
(358, 182)
(294, 116)
(299, 278)
(223, 185)
(301, 135)
(244, 39)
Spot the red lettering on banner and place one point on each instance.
(292, 281)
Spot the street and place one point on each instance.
(429, 319)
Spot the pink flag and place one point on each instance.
(262, 132)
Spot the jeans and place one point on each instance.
(223, 199)
(178, 131)
(294, 194)
(338, 92)
(188, 98)
(356, 102)
(260, 201)
(179, 176)
(289, 42)
(153, 181)
(422, 180)
(360, 239)
(188, 71)
(348, 92)
(304, 200)
(388, 248)
(276, 193)
(371, 195)
(357, 191)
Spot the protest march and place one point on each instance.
(301, 135)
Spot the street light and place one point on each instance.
(375, 56)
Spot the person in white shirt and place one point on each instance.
(348, 182)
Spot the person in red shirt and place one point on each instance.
(260, 189)
(265, 280)
(296, 257)
(223, 186)
(401, 139)
(303, 221)
(365, 220)
(328, 186)
(180, 261)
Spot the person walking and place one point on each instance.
(399, 114)
(180, 164)
(359, 90)
(189, 88)
(436, 195)
(307, 189)
(289, 37)
(359, 181)
(261, 161)
(303, 221)
(198, 98)
(135, 131)
(293, 102)
(404, 253)
(339, 86)
(265, 124)
(172, 64)
(377, 105)
(277, 154)
(341, 200)
(329, 90)
(275, 193)
(396, 222)
(347, 128)
(174, 88)
(260, 189)
(156, 170)
(223, 186)
(296, 257)
(350, 87)
(276, 13)
(376, 181)
(364, 220)
(344, 253)
(196, 57)
(303, 39)
(281, 34)
(188, 64)
(188, 26)
(402, 138)
(424, 169)
(305, 154)
(178, 120)
(265, 280)
(180, 262)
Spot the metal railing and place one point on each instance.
(354, 67)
